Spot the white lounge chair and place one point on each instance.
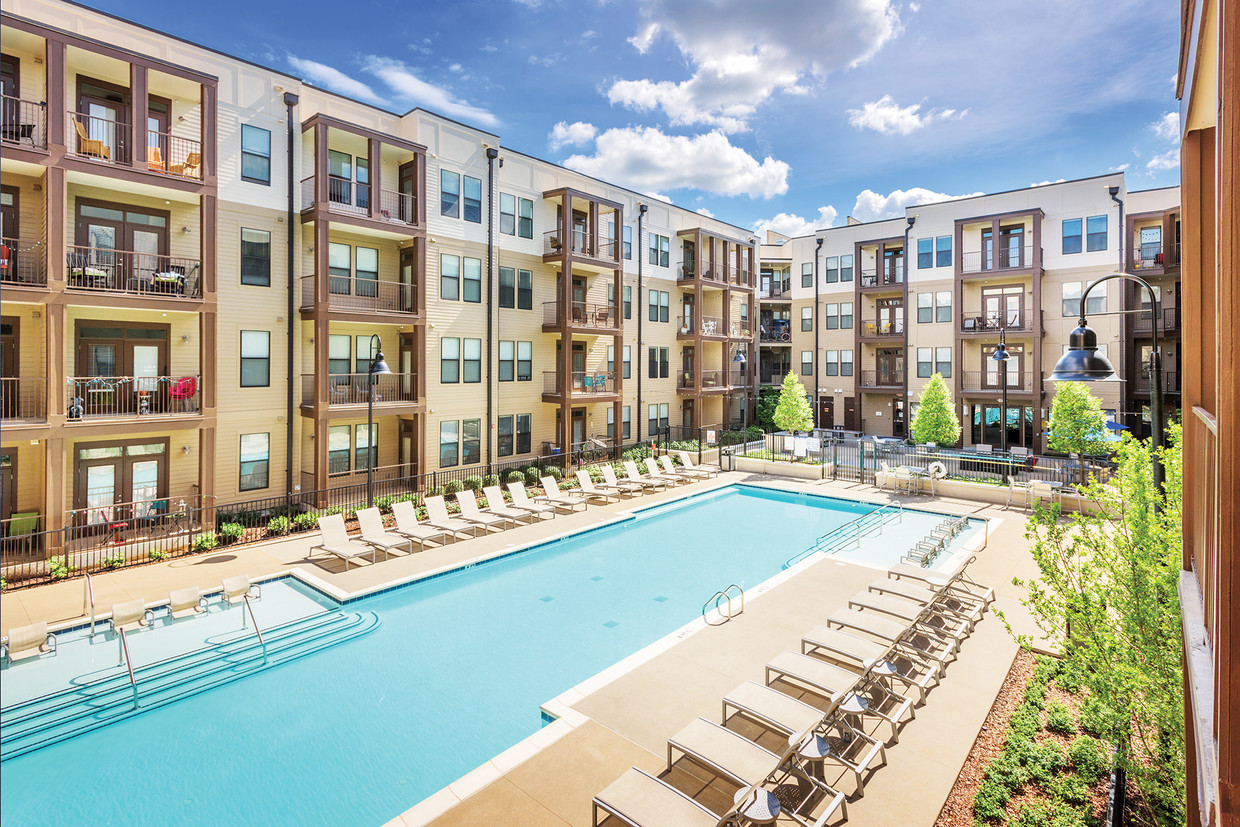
(437, 517)
(497, 506)
(130, 615)
(654, 472)
(27, 642)
(407, 525)
(944, 624)
(520, 499)
(850, 693)
(634, 474)
(861, 655)
(370, 520)
(638, 798)
(690, 474)
(925, 642)
(471, 512)
(560, 499)
(186, 602)
(956, 579)
(938, 598)
(590, 491)
(236, 589)
(611, 483)
(337, 542)
(687, 461)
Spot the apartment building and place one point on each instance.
(867, 312)
(203, 259)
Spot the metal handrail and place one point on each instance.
(258, 632)
(129, 666)
(855, 529)
(88, 601)
(725, 594)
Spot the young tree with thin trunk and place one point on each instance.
(936, 419)
(793, 412)
(1077, 424)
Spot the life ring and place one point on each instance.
(937, 470)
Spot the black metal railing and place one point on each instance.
(123, 397)
(23, 261)
(353, 293)
(1004, 258)
(882, 328)
(103, 139)
(992, 381)
(978, 321)
(1169, 319)
(1157, 256)
(173, 154)
(580, 243)
(886, 378)
(23, 397)
(23, 122)
(351, 388)
(122, 271)
(582, 314)
(583, 384)
(882, 277)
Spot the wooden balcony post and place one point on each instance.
(139, 112)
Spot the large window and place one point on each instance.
(365, 447)
(507, 287)
(472, 361)
(628, 301)
(628, 243)
(255, 154)
(846, 267)
(255, 359)
(255, 257)
(657, 418)
(473, 200)
(925, 308)
(339, 448)
(255, 461)
(943, 306)
(449, 277)
(925, 362)
(807, 363)
(471, 272)
(846, 363)
(832, 270)
(831, 317)
(807, 274)
(628, 361)
(525, 361)
(1072, 300)
(366, 349)
(339, 353)
(503, 435)
(660, 250)
(513, 434)
(471, 441)
(1095, 233)
(507, 214)
(449, 444)
(925, 253)
(525, 220)
(659, 304)
(507, 361)
(1071, 235)
(449, 194)
(943, 251)
(366, 266)
(943, 361)
(524, 433)
(659, 362)
(846, 315)
(831, 363)
(449, 360)
(807, 318)
(525, 289)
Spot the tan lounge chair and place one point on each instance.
(407, 525)
(186, 602)
(654, 472)
(520, 499)
(471, 513)
(844, 688)
(943, 623)
(337, 542)
(437, 517)
(956, 579)
(497, 506)
(27, 642)
(561, 500)
(130, 615)
(611, 483)
(370, 520)
(687, 461)
(638, 798)
(859, 654)
(670, 468)
(589, 490)
(634, 474)
(922, 641)
(938, 599)
(236, 589)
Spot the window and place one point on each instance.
(507, 287)
(449, 360)
(625, 422)
(339, 268)
(943, 251)
(525, 219)
(611, 359)
(659, 303)
(472, 272)
(507, 361)
(471, 441)
(255, 359)
(628, 301)
(255, 154)
(449, 277)
(366, 263)
(653, 305)
(256, 258)
(365, 447)
(660, 250)
(611, 422)
(255, 459)
(1071, 236)
(833, 269)
(658, 418)
(807, 363)
(925, 365)
(367, 350)
(846, 363)
(943, 306)
(449, 194)
(807, 318)
(339, 448)
(846, 268)
(1072, 300)
(664, 301)
(628, 361)
(523, 433)
(831, 363)
(472, 360)
(339, 353)
(846, 315)
(807, 274)
(925, 253)
(449, 444)
(660, 358)
(473, 199)
(525, 289)
(925, 308)
(1095, 233)
(831, 319)
(943, 361)
(628, 243)
(652, 425)
(503, 434)
(525, 361)
(507, 214)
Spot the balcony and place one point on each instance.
(1169, 321)
(581, 243)
(584, 386)
(346, 197)
(97, 138)
(885, 277)
(1171, 382)
(132, 397)
(24, 122)
(739, 277)
(710, 326)
(775, 289)
(1005, 258)
(884, 378)
(346, 389)
(712, 381)
(23, 262)
(350, 294)
(173, 155)
(773, 374)
(582, 315)
(102, 270)
(23, 397)
(882, 329)
(1155, 258)
(988, 321)
(777, 332)
(991, 381)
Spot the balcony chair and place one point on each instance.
(183, 390)
(191, 167)
(89, 146)
(154, 159)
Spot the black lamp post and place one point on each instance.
(377, 366)
(739, 360)
(1083, 364)
(1001, 356)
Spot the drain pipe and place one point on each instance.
(290, 100)
(641, 214)
(814, 321)
(908, 272)
(1114, 192)
(492, 154)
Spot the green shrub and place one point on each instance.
(453, 487)
(531, 475)
(473, 483)
(990, 801)
(1032, 815)
(4, 584)
(114, 562)
(1069, 677)
(384, 504)
(435, 491)
(515, 476)
(1035, 693)
(1046, 670)
(1087, 758)
(279, 526)
(1045, 762)
(206, 541)
(490, 479)
(1026, 721)
(305, 521)
(1008, 771)
(553, 472)
(230, 533)
(1071, 788)
(1097, 719)
(636, 454)
(156, 554)
(1059, 719)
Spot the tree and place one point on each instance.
(1077, 424)
(1106, 599)
(936, 419)
(793, 412)
(768, 400)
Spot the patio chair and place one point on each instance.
(189, 169)
(654, 472)
(497, 506)
(1021, 490)
(561, 500)
(437, 517)
(955, 580)
(236, 589)
(89, 146)
(926, 642)
(938, 599)
(888, 476)
(640, 799)
(844, 688)
(688, 473)
(687, 461)
(27, 642)
(370, 521)
(471, 513)
(626, 486)
(407, 525)
(130, 615)
(591, 492)
(520, 499)
(904, 479)
(861, 655)
(337, 542)
(1040, 490)
(186, 602)
(183, 390)
(634, 474)
(945, 624)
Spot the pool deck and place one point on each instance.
(551, 777)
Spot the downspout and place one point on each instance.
(1122, 233)
(492, 154)
(1114, 191)
(641, 214)
(290, 100)
(814, 321)
(908, 274)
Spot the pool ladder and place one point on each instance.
(717, 598)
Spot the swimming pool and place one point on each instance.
(455, 674)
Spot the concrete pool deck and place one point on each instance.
(551, 777)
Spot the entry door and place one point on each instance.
(9, 391)
(99, 487)
(8, 221)
(145, 246)
(407, 298)
(408, 382)
(826, 412)
(890, 316)
(579, 426)
(579, 300)
(890, 367)
(686, 415)
(106, 121)
(102, 237)
(579, 368)
(1003, 308)
(408, 182)
(581, 233)
(406, 451)
(8, 485)
(1013, 252)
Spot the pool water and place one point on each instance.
(455, 674)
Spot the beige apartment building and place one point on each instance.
(867, 312)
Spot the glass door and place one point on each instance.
(339, 177)
(144, 263)
(407, 178)
(890, 367)
(101, 493)
(408, 381)
(407, 297)
(579, 368)
(146, 376)
(1013, 253)
(144, 486)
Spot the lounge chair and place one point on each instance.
(186, 602)
(670, 467)
(860, 654)
(370, 520)
(654, 472)
(944, 624)
(634, 474)
(437, 517)
(939, 599)
(640, 799)
(923, 641)
(337, 542)
(593, 493)
(407, 525)
(520, 499)
(236, 589)
(610, 483)
(559, 499)
(497, 506)
(850, 693)
(956, 579)
(687, 461)
(130, 615)
(27, 642)
(471, 513)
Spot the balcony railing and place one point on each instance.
(23, 261)
(883, 328)
(738, 378)
(882, 378)
(113, 397)
(741, 330)
(24, 122)
(1169, 319)
(775, 333)
(775, 289)
(351, 198)
(22, 397)
(121, 271)
(1171, 381)
(773, 374)
(979, 321)
(1155, 256)
(706, 325)
(992, 380)
(350, 388)
(710, 379)
(583, 243)
(584, 383)
(1005, 258)
(100, 138)
(173, 154)
(740, 277)
(893, 274)
(346, 196)
(361, 294)
(581, 314)
(398, 206)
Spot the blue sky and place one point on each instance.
(784, 113)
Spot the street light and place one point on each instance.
(377, 366)
(1082, 363)
(739, 359)
(1001, 356)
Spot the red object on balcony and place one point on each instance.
(184, 388)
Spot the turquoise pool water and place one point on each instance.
(454, 675)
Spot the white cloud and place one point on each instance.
(545, 61)
(705, 212)
(319, 74)
(743, 53)
(871, 206)
(1168, 126)
(1167, 160)
(887, 117)
(571, 134)
(793, 225)
(490, 47)
(1045, 183)
(413, 90)
(648, 160)
(455, 67)
(1119, 168)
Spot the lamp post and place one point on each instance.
(739, 359)
(1083, 364)
(1001, 356)
(377, 366)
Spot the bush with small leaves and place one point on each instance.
(490, 479)
(435, 491)
(1046, 669)
(1070, 788)
(279, 526)
(305, 521)
(1035, 693)
(1059, 719)
(206, 541)
(231, 533)
(156, 554)
(555, 473)
(1045, 761)
(114, 562)
(531, 475)
(453, 487)
(1032, 815)
(990, 801)
(1096, 718)
(384, 504)
(1087, 758)
(1007, 770)
(515, 476)
(1069, 677)
(1026, 721)
(473, 483)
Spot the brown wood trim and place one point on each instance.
(325, 121)
(208, 350)
(78, 479)
(80, 201)
(54, 317)
(1032, 212)
(210, 134)
(149, 424)
(568, 194)
(57, 70)
(207, 463)
(314, 214)
(139, 113)
(55, 458)
(139, 175)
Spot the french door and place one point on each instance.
(108, 476)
